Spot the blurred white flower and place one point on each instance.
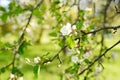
(98, 69)
(36, 60)
(80, 61)
(74, 59)
(86, 55)
(20, 78)
(114, 55)
(26, 2)
(88, 9)
(69, 51)
(84, 4)
(116, 1)
(63, 1)
(12, 76)
(74, 27)
(66, 30)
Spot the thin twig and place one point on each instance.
(99, 57)
(104, 28)
(55, 56)
(20, 40)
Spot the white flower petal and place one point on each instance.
(74, 27)
(86, 55)
(74, 59)
(36, 60)
(20, 78)
(66, 30)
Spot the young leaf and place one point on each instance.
(70, 42)
(4, 17)
(53, 34)
(36, 70)
(2, 69)
(86, 61)
(79, 25)
(23, 46)
(2, 9)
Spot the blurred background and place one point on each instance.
(14, 15)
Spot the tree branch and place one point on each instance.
(99, 57)
(55, 56)
(104, 28)
(20, 40)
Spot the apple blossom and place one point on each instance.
(20, 78)
(36, 60)
(86, 55)
(12, 76)
(66, 30)
(74, 27)
(74, 59)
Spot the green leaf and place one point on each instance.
(2, 9)
(72, 69)
(37, 13)
(53, 34)
(4, 17)
(79, 25)
(2, 70)
(70, 42)
(92, 27)
(23, 46)
(16, 71)
(54, 5)
(57, 2)
(43, 8)
(18, 10)
(82, 13)
(58, 16)
(11, 5)
(36, 70)
(86, 61)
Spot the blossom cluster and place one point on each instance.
(67, 29)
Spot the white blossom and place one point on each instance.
(88, 9)
(36, 60)
(84, 4)
(80, 61)
(86, 55)
(69, 51)
(66, 30)
(63, 1)
(74, 27)
(74, 59)
(99, 69)
(20, 78)
(114, 55)
(12, 76)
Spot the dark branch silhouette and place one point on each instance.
(99, 57)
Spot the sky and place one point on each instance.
(4, 3)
